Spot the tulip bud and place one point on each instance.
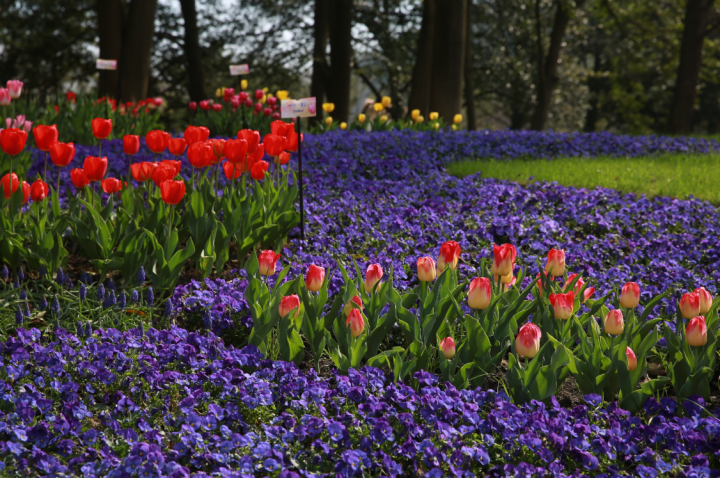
(386, 101)
(555, 264)
(349, 307)
(448, 347)
(378, 107)
(449, 255)
(314, 278)
(457, 119)
(527, 343)
(614, 323)
(287, 304)
(696, 332)
(631, 358)
(588, 293)
(579, 283)
(563, 305)
(355, 322)
(383, 118)
(690, 305)
(504, 259)
(705, 300)
(343, 125)
(479, 293)
(267, 262)
(419, 119)
(414, 114)
(361, 118)
(434, 116)
(630, 295)
(373, 274)
(243, 84)
(426, 269)
(328, 120)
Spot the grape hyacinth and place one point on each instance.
(5, 273)
(43, 271)
(88, 329)
(43, 303)
(23, 294)
(83, 292)
(21, 274)
(27, 310)
(141, 276)
(168, 307)
(79, 329)
(101, 292)
(122, 300)
(135, 297)
(207, 320)
(55, 307)
(16, 284)
(111, 284)
(150, 297)
(60, 276)
(19, 316)
(110, 299)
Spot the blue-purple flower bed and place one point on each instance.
(169, 403)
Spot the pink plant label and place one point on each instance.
(106, 64)
(236, 70)
(298, 108)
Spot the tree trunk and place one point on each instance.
(320, 66)
(594, 86)
(448, 59)
(469, 84)
(422, 71)
(697, 15)
(193, 54)
(340, 58)
(548, 77)
(110, 18)
(137, 45)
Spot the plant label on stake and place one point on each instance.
(105, 65)
(237, 70)
(304, 108)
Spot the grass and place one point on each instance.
(675, 175)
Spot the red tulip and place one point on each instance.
(25, 192)
(131, 144)
(273, 144)
(696, 332)
(218, 147)
(314, 278)
(62, 153)
(282, 128)
(267, 111)
(355, 322)
(177, 146)
(479, 293)
(631, 358)
(175, 164)
(236, 150)
(192, 105)
(449, 256)
(12, 140)
(287, 304)
(101, 128)
(447, 345)
(10, 184)
(217, 107)
(527, 343)
(588, 293)
(256, 156)
(205, 105)
(272, 101)
(199, 154)
(249, 103)
(578, 283)
(228, 93)
(555, 264)
(143, 171)
(706, 299)
(71, 97)
(349, 306)
(195, 134)
(284, 158)
(79, 178)
(259, 94)
(426, 269)
(373, 275)
(232, 171)
(258, 170)
(563, 305)
(267, 261)
(291, 142)
(251, 137)
(45, 136)
(630, 295)
(235, 103)
(690, 305)
(95, 168)
(243, 95)
(162, 173)
(111, 185)
(157, 140)
(172, 192)
(504, 259)
(276, 116)
(39, 190)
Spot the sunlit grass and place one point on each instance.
(675, 175)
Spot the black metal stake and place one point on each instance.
(302, 208)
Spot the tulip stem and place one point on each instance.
(45, 171)
(57, 188)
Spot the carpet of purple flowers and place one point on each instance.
(173, 403)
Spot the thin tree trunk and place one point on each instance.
(110, 18)
(697, 15)
(137, 45)
(341, 58)
(320, 67)
(193, 54)
(594, 85)
(469, 84)
(448, 59)
(548, 77)
(422, 71)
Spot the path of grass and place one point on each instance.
(671, 175)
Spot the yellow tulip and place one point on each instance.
(419, 119)
(328, 107)
(243, 84)
(282, 94)
(457, 119)
(343, 125)
(414, 114)
(434, 115)
(328, 120)
(218, 92)
(263, 99)
(454, 128)
(361, 118)
(266, 89)
(383, 118)
(386, 101)
(437, 126)
(378, 107)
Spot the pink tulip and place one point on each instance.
(690, 305)
(426, 269)
(447, 345)
(267, 262)
(449, 255)
(631, 358)
(355, 322)
(5, 97)
(630, 295)
(479, 293)
(555, 265)
(563, 305)
(349, 306)
(696, 332)
(579, 284)
(287, 304)
(314, 278)
(504, 259)
(614, 322)
(15, 88)
(373, 274)
(527, 343)
(706, 299)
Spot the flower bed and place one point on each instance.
(169, 403)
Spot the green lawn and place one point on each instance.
(673, 175)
